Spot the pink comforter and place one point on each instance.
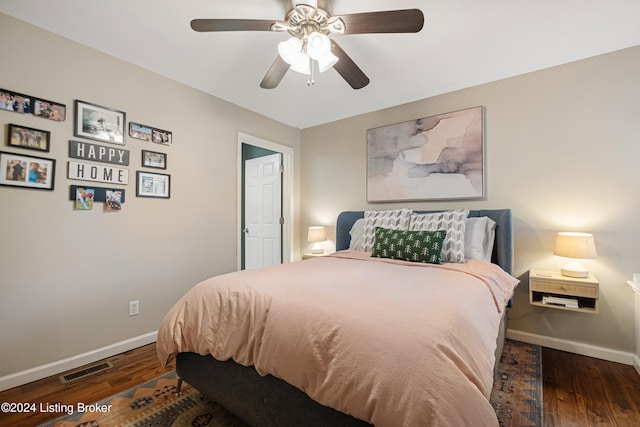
(389, 342)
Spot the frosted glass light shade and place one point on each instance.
(291, 52)
(327, 61)
(318, 45)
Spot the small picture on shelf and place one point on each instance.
(84, 198)
(113, 200)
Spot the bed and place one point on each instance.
(389, 345)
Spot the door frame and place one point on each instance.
(287, 193)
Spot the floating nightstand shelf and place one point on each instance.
(552, 290)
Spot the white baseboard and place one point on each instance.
(636, 363)
(53, 368)
(575, 347)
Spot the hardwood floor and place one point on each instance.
(578, 391)
(129, 369)
(583, 391)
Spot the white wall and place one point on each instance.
(561, 151)
(66, 276)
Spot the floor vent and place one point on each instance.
(83, 372)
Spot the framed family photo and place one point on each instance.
(138, 131)
(14, 101)
(156, 185)
(29, 138)
(49, 110)
(153, 159)
(17, 170)
(99, 123)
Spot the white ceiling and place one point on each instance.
(463, 43)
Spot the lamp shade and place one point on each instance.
(575, 245)
(317, 234)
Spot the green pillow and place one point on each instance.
(415, 246)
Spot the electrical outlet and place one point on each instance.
(134, 308)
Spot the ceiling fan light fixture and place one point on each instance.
(311, 3)
(291, 52)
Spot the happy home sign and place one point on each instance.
(98, 153)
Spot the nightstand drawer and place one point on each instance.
(540, 285)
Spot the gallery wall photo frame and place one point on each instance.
(99, 123)
(29, 138)
(154, 159)
(18, 170)
(141, 132)
(150, 134)
(14, 101)
(156, 185)
(439, 157)
(49, 110)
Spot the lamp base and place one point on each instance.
(317, 248)
(574, 269)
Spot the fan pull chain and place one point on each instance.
(311, 79)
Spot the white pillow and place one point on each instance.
(357, 235)
(397, 219)
(479, 236)
(453, 222)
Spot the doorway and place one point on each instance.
(250, 148)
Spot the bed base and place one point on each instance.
(270, 402)
(267, 401)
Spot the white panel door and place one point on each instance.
(263, 210)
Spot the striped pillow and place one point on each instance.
(453, 222)
(397, 219)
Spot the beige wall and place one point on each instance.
(66, 276)
(562, 152)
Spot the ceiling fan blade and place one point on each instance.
(348, 69)
(205, 25)
(391, 21)
(275, 74)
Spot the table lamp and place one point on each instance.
(317, 235)
(575, 245)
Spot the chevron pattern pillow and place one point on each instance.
(453, 222)
(414, 246)
(397, 219)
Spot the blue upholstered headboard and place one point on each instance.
(502, 248)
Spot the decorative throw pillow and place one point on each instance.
(397, 219)
(414, 246)
(453, 222)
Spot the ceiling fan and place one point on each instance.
(309, 22)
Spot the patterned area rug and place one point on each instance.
(517, 392)
(154, 403)
(516, 397)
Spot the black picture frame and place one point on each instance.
(29, 138)
(14, 101)
(154, 159)
(18, 170)
(155, 185)
(99, 123)
(49, 110)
